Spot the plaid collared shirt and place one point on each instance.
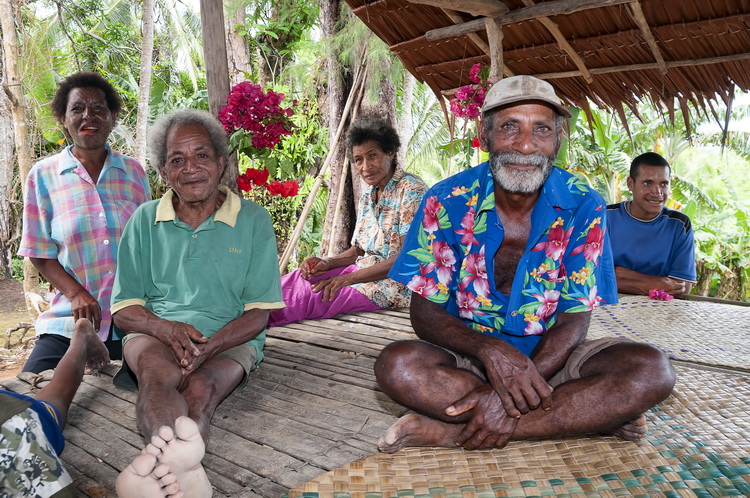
(69, 218)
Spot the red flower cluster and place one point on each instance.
(468, 100)
(258, 112)
(259, 178)
(289, 188)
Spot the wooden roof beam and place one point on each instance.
(631, 67)
(544, 9)
(563, 43)
(647, 66)
(487, 8)
(640, 20)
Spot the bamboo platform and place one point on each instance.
(308, 422)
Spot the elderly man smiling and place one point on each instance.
(196, 278)
(506, 261)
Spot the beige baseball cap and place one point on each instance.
(522, 88)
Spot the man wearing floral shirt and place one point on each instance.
(506, 261)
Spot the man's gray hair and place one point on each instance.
(157, 134)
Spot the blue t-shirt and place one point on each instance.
(49, 416)
(448, 256)
(663, 247)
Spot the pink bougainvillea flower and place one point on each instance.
(660, 294)
(474, 72)
(257, 112)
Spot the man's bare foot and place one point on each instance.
(145, 477)
(182, 449)
(633, 430)
(97, 356)
(418, 430)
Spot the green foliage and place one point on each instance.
(274, 30)
(16, 268)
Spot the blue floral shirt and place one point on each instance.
(448, 256)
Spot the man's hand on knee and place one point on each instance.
(517, 381)
(490, 425)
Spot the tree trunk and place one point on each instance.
(144, 85)
(7, 165)
(333, 97)
(238, 53)
(405, 126)
(14, 92)
(217, 72)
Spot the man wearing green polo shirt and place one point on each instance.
(197, 276)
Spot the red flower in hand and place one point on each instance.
(660, 294)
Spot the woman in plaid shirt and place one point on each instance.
(76, 204)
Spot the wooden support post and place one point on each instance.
(495, 39)
(217, 72)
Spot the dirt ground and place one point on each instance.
(12, 312)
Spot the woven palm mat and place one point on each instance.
(698, 445)
(709, 333)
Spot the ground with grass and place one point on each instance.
(12, 312)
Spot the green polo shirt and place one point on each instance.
(206, 276)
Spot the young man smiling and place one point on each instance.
(653, 246)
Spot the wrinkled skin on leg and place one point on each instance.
(616, 386)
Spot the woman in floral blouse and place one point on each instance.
(356, 279)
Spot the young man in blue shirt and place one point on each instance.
(653, 246)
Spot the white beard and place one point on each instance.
(513, 180)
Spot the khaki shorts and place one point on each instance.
(571, 370)
(244, 354)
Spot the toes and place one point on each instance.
(153, 448)
(143, 464)
(186, 428)
(165, 433)
(161, 471)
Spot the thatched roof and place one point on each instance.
(612, 52)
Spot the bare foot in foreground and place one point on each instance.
(182, 449)
(418, 430)
(147, 478)
(633, 430)
(97, 356)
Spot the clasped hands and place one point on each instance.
(314, 266)
(191, 348)
(515, 388)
